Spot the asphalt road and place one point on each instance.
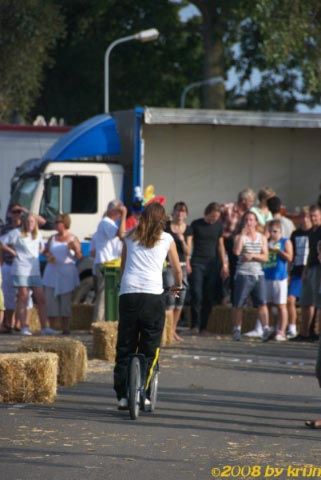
(220, 403)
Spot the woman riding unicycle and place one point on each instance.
(142, 304)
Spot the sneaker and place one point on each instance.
(147, 405)
(300, 338)
(25, 331)
(280, 337)
(48, 331)
(194, 331)
(290, 335)
(254, 333)
(313, 337)
(123, 404)
(236, 335)
(267, 334)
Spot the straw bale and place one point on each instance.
(220, 320)
(167, 336)
(72, 354)
(105, 340)
(33, 320)
(82, 315)
(28, 377)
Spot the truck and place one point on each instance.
(19, 143)
(198, 156)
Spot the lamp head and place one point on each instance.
(147, 35)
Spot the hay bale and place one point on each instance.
(33, 320)
(82, 315)
(105, 340)
(220, 320)
(167, 336)
(72, 354)
(28, 377)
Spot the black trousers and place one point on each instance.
(141, 323)
(232, 258)
(206, 290)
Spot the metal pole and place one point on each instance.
(107, 54)
(209, 81)
(143, 36)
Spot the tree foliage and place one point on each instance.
(153, 73)
(52, 55)
(278, 41)
(29, 30)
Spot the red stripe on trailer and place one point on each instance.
(33, 128)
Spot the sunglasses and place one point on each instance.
(16, 212)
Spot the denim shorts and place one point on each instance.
(26, 281)
(249, 285)
(169, 281)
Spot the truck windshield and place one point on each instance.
(24, 190)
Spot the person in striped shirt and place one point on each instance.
(251, 248)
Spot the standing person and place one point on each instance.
(25, 244)
(276, 275)
(134, 214)
(300, 244)
(232, 214)
(107, 247)
(15, 212)
(61, 275)
(251, 250)
(182, 234)
(262, 211)
(264, 216)
(3, 329)
(310, 298)
(141, 300)
(208, 258)
(275, 206)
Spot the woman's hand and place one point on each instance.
(74, 246)
(225, 272)
(51, 258)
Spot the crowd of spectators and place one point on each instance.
(240, 254)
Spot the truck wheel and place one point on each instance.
(85, 293)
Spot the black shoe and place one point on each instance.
(300, 338)
(5, 330)
(313, 337)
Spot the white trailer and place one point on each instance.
(17, 144)
(201, 156)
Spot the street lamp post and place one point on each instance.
(143, 36)
(209, 81)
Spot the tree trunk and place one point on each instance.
(214, 65)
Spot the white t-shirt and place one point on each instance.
(107, 244)
(143, 268)
(26, 262)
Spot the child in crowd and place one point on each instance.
(300, 243)
(276, 275)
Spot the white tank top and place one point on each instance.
(144, 266)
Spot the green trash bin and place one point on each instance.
(112, 277)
